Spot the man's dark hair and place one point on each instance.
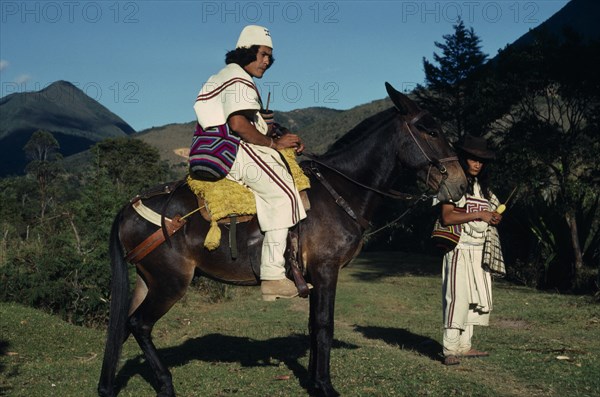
(482, 178)
(244, 56)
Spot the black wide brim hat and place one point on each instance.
(476, 147)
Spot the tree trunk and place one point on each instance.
(572, 222)
(75, 232)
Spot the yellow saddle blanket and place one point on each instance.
(226, 197)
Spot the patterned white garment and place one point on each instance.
(467, 288)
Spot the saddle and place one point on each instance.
(223, 202)
(228, 202)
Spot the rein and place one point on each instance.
(346, 207)
(391, 194)
(424, 197)
(439, 164)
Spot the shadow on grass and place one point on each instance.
(403, 339)
(373, 266)
(4, 345)
(219, 348)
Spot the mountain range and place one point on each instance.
(78, 121)
(319, 127)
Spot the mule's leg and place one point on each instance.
(322, 304)
(162, 293)
(139, 294)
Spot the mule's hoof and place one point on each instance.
(324, 390)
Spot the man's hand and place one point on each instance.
(493, 218)
(289, 140)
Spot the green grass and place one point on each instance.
(387, 343)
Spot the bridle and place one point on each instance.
(437, 163)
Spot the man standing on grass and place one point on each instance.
(467, 280)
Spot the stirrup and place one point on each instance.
(301, 285)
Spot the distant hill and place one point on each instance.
(168, 139)
(319, 127)
(580, 16)
(76, 121)
(319, 135)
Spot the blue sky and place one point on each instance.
(146, 60)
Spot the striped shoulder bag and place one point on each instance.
(445, 238)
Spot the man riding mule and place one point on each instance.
(348, 184)
(230, 101)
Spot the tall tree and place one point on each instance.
(552, 136)
(42, 149)
(448, 91)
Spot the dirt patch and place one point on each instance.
(511, 324)
(182, 152)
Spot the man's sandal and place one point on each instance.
(474, 353)
(451, 360)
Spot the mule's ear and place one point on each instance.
(403, 103)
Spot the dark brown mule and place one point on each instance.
(371, 154)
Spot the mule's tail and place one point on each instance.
(119, 306)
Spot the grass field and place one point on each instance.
(387, 343)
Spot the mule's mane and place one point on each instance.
(364, 130)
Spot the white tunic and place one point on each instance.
(467, 288)
(224, 93)
(260, 168)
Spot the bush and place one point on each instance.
(57, 281)
(213, 291)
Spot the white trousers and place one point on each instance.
(278, 204)
(467, 296)
(457, 341)
(272, 261)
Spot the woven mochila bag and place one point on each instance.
(212, 152)
(445, 238)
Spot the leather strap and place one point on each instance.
(146, 213)
(157, 238)
(233, 236)
(394, 194)
(293, 250)
(339, 200)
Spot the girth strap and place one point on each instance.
(233, 236)
(339, 200)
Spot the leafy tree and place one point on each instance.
(63, 267)
(450, 91)
(130, 163)
(42, 146)
(551, 139)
